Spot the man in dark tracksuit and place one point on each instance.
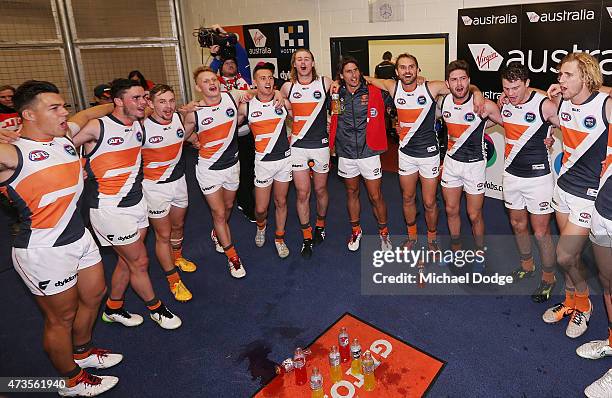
(358, 134)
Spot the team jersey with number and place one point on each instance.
(162, 150)
(465, 130)
(267, 124)
(584, 129)
(114, 167)
(526, 154)
(603, 203)
(416, 116)
(45, 188)
(217, 134)
(309, 129)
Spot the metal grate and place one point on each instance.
(28, 20)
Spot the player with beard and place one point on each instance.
(464, 163)
(118, 213)
(307, 93)
(418, 152)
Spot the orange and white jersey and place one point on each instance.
(603, 203)
(217, 134)
(584, 129)
(416, 117)
(45, 188)
(465, 130)
(114, 166)
(525, 129)
(267, 124)
(309, 129)
(162, 150)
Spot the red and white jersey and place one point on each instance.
(10, 121)
(267, 124)
(114, 166)
(526, 154)
(603, 203)
(45, 188)
(162, 150)
(309, 129)
(465, 130)
(416, 117)
(233, 83)
(217, 134)
(584, 129)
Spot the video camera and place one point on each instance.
(208, 37)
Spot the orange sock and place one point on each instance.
(356, 228)
(570, 298)
(153, 304)
(279, 236)
(173, 277)
(384, 230)
(548, 277)
(261, 224)
(230, 251)
(527, 264)
(72, 381)
(114, 304)
(307, 231)
(412, 232)
(82, 355)
(431, 236)
(320, 222)
(610, 337)
(177, 252)
(582, 301)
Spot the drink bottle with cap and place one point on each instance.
(299, 365)
(367, 364)
(344, 344)
(356, 357)
(335, 370)
(316, 383)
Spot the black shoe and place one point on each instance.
(520, 274)
(307, 248)
(319, 235)
(543, 292)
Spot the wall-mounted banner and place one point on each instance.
(273, 42)
(537, 35)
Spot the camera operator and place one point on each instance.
(241, 59)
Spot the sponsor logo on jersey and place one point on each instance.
(530, 117)
(230, 112)
(421, 100)
(180, 133)
(115, 141)
(38, 155)
(156, 139)
(206, 121)
(278, 111)
(446, 114)
(373, 112)
(139, 136)
(69, 150)
(317, 94)
(469, 117)
(486, 58)
(589, 122)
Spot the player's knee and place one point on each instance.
(518, 225)
(376, 196)
(451, 209)
(430, 204)
(565, 259)
(409, 198)
(280, 203)
(303, 195)
(321, 191)
(475, 216)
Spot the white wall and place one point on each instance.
(330, 18)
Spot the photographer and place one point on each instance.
(230, 50)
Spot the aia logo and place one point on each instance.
(156, 139)
(469, 117)
(256, 114)
(589, 122)
(446, 114)
(230, 112)
(487, 59)
(401, 101)
(180, 133)
(297, 95)
(38, 155)
(207, 121)
(278, 111)
(530, 117)
(566, 117)
(317, 94)
(421, 100)
(506, 113)
(115, 141)
(373, 112)
(69, 150)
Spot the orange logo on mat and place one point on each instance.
(404, 370)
